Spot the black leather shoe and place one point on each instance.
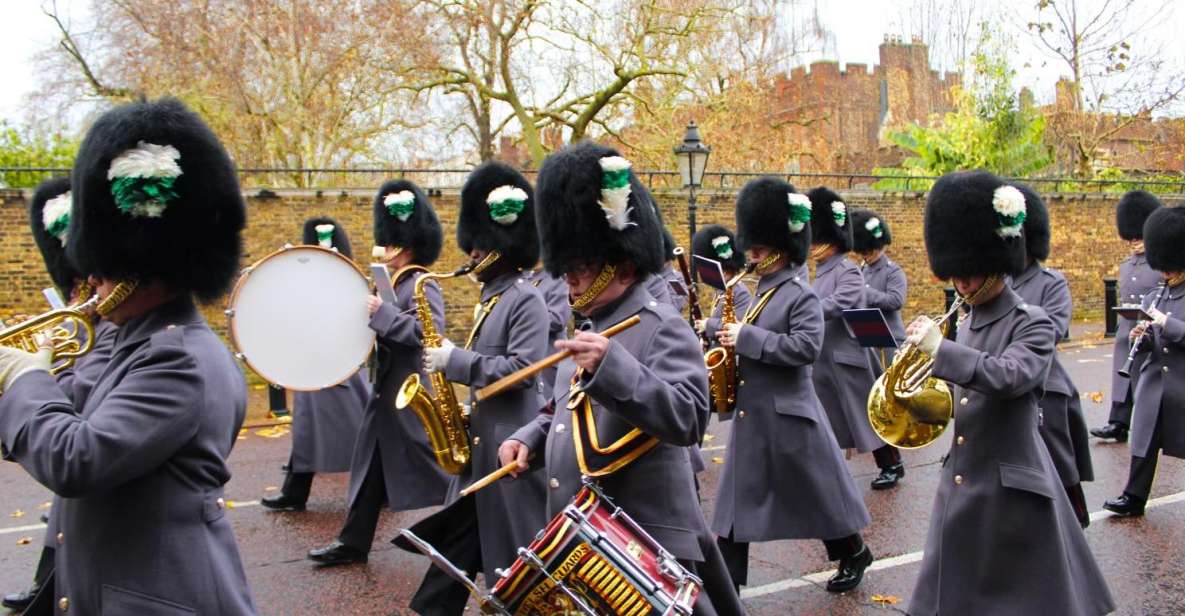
(281, 502)
(850, 572)
(1112, 430)
(18, 601)
(1126, 506)
(889, 477)
(337, 553)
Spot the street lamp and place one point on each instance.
(692, 155)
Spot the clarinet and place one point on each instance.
(1126, 370)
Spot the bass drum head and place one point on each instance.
(299, 319)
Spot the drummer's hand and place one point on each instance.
(436, 358)
(729, 334)
(373, 303)
(588, 349)
(514, 451)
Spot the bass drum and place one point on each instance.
(298, 318)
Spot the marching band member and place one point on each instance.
(1061, 421)
(157, 220)
(1001, 525)
(1157, 424)
(666, 285)
(784, 476)
(718, 243)
(555, 295)
(324, 423)
(1136, 279)
(392, 462)
(644, 391)
(842, 374)
(49, 217)
(510, 332)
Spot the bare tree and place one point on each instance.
(1117, 75)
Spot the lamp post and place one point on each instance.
(692, 155)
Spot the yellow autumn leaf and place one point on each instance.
(24, 541)
(717, 460)
(1094, 396)
(17, 514)
(709, 437)
(45, 505)
(886, 599)
(270, 489)
(272, 432)
(230, 504)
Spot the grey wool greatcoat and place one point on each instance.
(325, 425)
(885, 287)
(784, 475)
(77, 382)
(1136, 279)
(512, 336)
(410, 473)
(1161, 386)
(559, 312)
(842, 374)
(667, 286)
(1003, 538)
(140, 470)
(1062, 424)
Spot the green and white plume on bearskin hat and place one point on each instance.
(869, 230)
(973, 226)
(157, 198)
(718, 243)
(403, 218)
(49, 221)
(498, 214)
(771, 213)
(829, 219)
(400, 204)
(325, 232)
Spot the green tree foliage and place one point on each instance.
(23, 148)
(991, 128)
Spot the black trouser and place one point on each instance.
(1121, 412)
(44, 565)
(297, 486)
(363, 516)
(736, 554)
(886, 456)
(459, 542)
(1143, 469)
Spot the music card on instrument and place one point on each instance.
(710, 272)
(1132, 312)
(869, 327)
(382, 282)
(54, 298)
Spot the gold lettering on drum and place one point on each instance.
(634, 550)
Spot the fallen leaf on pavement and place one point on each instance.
(272, 432)
(886, 599)
(717, 460)
(1094, 396)
(17, 514)
(45, 505)
(24, 541)
(270, 489)
(708, 438)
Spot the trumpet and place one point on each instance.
(68, 330)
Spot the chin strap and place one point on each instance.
(116, 297)
(977, 297)
(767, 262)
(598, 286)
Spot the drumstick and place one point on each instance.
(527, 372)
(492, 477)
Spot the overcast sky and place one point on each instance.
(24, 30)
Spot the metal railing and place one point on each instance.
(453, 178)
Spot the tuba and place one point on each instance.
(908, 407)
(721, 361)
(443, 417)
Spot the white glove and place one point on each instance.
(701, 325)
(15, 362)
(729, 334)
(926, 335)
(1158, 317)
(436, 358)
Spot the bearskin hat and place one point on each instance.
(1134, 208)
(404, 217)
(498, 213)
(1164, 236)
(769, 212)
(592, 208)
(830, 222)
(1036, 227)
(156, 197)
(973, 226)
(49, 218)
(716, 242)
(339, 239)
(870, 231)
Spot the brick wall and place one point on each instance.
(1085, 246)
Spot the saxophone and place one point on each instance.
(722, 361)
(443, 417)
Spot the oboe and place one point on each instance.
(1126, 370)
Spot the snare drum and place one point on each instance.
(298, 318)
(594, 559)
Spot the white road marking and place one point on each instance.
(821, 577)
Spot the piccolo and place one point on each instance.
(527, 372)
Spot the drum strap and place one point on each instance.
(480, 312)
(594, 458)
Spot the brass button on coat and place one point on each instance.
(964, 401)
(740, 413)
(960, 440)
(476, 441)
(64, 603)
(221, 502)
(560, 428)
(958, 480)
(61, 538)
(554, 483)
